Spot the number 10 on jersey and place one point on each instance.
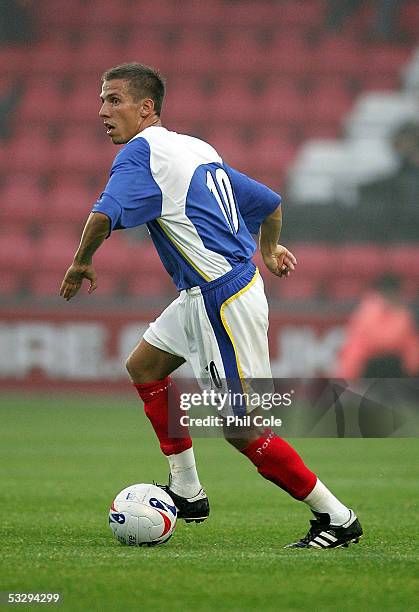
(222, 190)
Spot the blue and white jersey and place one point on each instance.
(200, 212)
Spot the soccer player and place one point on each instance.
(200, 214)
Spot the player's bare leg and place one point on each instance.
(149, 368)
(335, 524)
(147, 363)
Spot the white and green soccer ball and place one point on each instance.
(142, 515)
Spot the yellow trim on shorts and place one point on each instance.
(227, 328)
(182, 252)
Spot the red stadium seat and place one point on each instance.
(55, 252)
(300, 285)
(285, 105)
(143, 256)
(13, 61)
(17, 252)
(234, 152)
(84, 102)
(94, 57)
(338, 55)
(114, 12)
(151, 48)
(147, 275)
(361, 261)
(293, 13)
(288, 56)
(177, 100)
(294, 288)
(235, 104)
(410, 288)
(56, 56)
(52, 14)
(69, 201)
(243, 53)
(329, 105)
(22, 200)
(315, 260)
(409, 18)
(203, 14)
(271, 154)
(31, 155)
(194, 54)
(92, 130)
(403, 260)
(82, 154)
(42, 103)
(323, 131)
(164, 13)
(277, 14)
(114, 257)
(347, 289)
(386, 59)
(381, 81)
(150, 286)
(48, 283)
(10, 283)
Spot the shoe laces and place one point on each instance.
(164, 487)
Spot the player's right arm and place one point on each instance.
(131, 198)
(95, 231)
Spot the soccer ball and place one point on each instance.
(142, 515)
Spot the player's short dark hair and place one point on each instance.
(144, 81)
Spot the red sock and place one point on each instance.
(277, 461)
(155, 396)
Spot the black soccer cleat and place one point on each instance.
(190, 509)
(324, 535)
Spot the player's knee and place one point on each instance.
(139, 371)
(241, 437)
(135, 370)
(129, 365)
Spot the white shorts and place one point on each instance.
(220, 329)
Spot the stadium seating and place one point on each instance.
(31, 155)
(11, 284)
(329, 171)
(404, 261)
(335, 55)
(22, 201)
(69, 201)
(16, 253)
(255, 79)
(375, 115)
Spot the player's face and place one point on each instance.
(121, 114)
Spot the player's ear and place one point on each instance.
(147, 107)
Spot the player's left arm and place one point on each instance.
(95, 231)
(277, 258)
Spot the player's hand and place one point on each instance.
(73, 280)
(280, 262)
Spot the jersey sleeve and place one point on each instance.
(254, 200)
(132, 196)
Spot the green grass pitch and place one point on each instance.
(63, 458)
